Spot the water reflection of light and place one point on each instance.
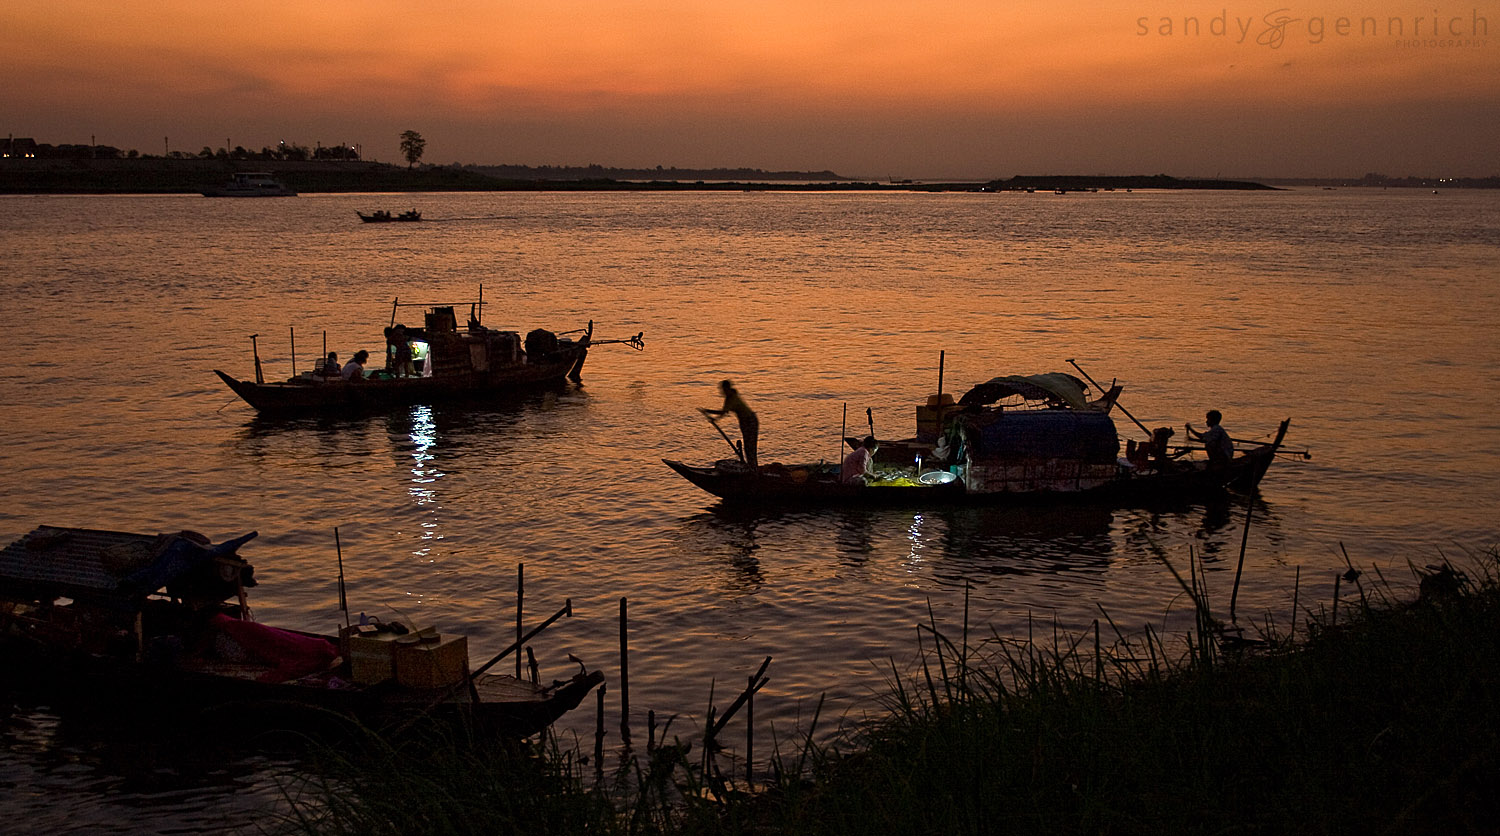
(914, 535)
(424, 473)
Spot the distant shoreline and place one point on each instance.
(191, 176)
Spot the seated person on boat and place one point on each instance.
(859, 465)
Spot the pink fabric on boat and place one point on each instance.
(293, 654)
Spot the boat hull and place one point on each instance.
(301, 395)
(507, 706)
(775, 485)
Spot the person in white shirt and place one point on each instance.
(354, 370)
(1216, 441)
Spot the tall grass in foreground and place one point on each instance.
(1386, 720)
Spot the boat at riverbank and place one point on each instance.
(251, 184)
(446, 363)
(1012, 439)
(161, 623)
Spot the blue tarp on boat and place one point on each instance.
(1042, 434)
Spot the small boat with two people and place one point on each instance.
(1014, 438)
(251, 184)
(381, 216)
(435, 362)
(160, 624)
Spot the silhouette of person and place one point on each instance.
(859, 465)
(354, 370)
(401, 363)
(331, 367)
(1216, 441)
(749, 423)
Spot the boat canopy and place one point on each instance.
(1057, 388)
(118, 570)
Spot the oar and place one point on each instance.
(737, 453)
(870, 417)
(1117, 401)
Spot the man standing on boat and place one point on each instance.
(749, 424)
(1216, 441)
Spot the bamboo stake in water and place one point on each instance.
(750, 736)
(1244, 540)
(343, 596)
(624, 672)
(599, 732)
(520, 599)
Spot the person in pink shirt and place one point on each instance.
(859, 465)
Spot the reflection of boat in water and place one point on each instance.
(447, 363)
(251, 184)
(162, 622)
(381, 216)
(1012, 439)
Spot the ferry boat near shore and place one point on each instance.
(251, 184)
(447, 363)
(159, 625)
(1019, 438)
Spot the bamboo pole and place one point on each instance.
(255, 350)
(1240, 567)
(1117, 402)
(750, 736)
(293, 331)
(343, 597)
(599, 732)
(520, 596)
(624, 671)
(757, 681)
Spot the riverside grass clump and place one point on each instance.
(1384, 717)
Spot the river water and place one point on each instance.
(1367, 317)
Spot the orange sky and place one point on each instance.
(869, 88)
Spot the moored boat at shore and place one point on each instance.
(161, 623)
(436, 362)
(1011, 439)
(251, 184)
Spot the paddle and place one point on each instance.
(709, 415)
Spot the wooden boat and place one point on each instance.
(161, 623)
(1011, 439)
(448, 363)
(381, 216)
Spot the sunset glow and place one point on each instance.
(958, 89)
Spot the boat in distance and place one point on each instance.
(381, 216)
(251, 184)
(1013, 439)
(430, 364)
(161, 624)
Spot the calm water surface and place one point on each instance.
(1366, 317)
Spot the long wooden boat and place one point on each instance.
(1011, 439)
(448, 363)
(381, 216)
(161, 623)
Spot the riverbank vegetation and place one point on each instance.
(1382, 717)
